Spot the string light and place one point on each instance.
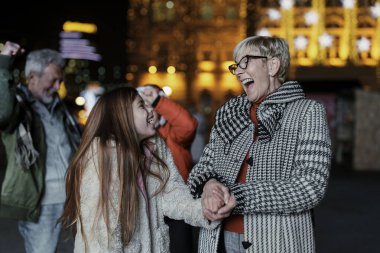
(375, 10)
(325, 40)
(363, 44)
(311, 18)
(301, 42)
(263, 32)
(273, 14)
(286, 4)
(348, 4)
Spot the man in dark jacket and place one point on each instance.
(39, 136)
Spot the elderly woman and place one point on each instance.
(270, 148)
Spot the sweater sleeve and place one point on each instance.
(177, 202)
(181, 126)
(307, 185)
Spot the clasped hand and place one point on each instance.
(217, 202)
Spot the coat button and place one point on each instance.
(246, 244)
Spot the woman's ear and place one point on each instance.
(274, 66)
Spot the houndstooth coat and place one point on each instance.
(289, 174)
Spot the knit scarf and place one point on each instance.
(26, 154)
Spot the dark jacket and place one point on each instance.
(22, 188)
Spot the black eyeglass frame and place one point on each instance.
(233, 67)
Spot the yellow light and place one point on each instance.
(168, 91)
(305, 62)
(207, 66)
(337, 62)
(176, 81)
(171, 70)
(69, 26)
(226, 64)
(129, 76)
(229, 82)
(80, 101)
(206, 81)
(152, 69)
(82, 117)
(62, 91)
(82, 114)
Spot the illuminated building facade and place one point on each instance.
(194, 37)
(197, 39)
(334, 47)
(343, 35)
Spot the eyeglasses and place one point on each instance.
(243, 63)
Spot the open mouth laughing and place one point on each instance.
(247, 82)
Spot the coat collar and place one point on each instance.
(233, 117)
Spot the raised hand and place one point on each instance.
(149, 94)
(12, 49)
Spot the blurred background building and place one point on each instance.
(334, 46)
(186, 46)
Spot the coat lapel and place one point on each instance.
(233, 117)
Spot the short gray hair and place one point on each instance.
(38, 60)
(269, 47)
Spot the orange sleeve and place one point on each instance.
(180, 125)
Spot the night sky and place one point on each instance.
(36, 27)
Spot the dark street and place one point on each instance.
(346, 221)
(348, 218)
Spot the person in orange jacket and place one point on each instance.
(177, 127)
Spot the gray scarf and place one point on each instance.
(26, 154)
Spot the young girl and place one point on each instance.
(118, 186)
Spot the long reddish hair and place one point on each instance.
(111, 120)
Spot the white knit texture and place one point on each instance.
(152, 234)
